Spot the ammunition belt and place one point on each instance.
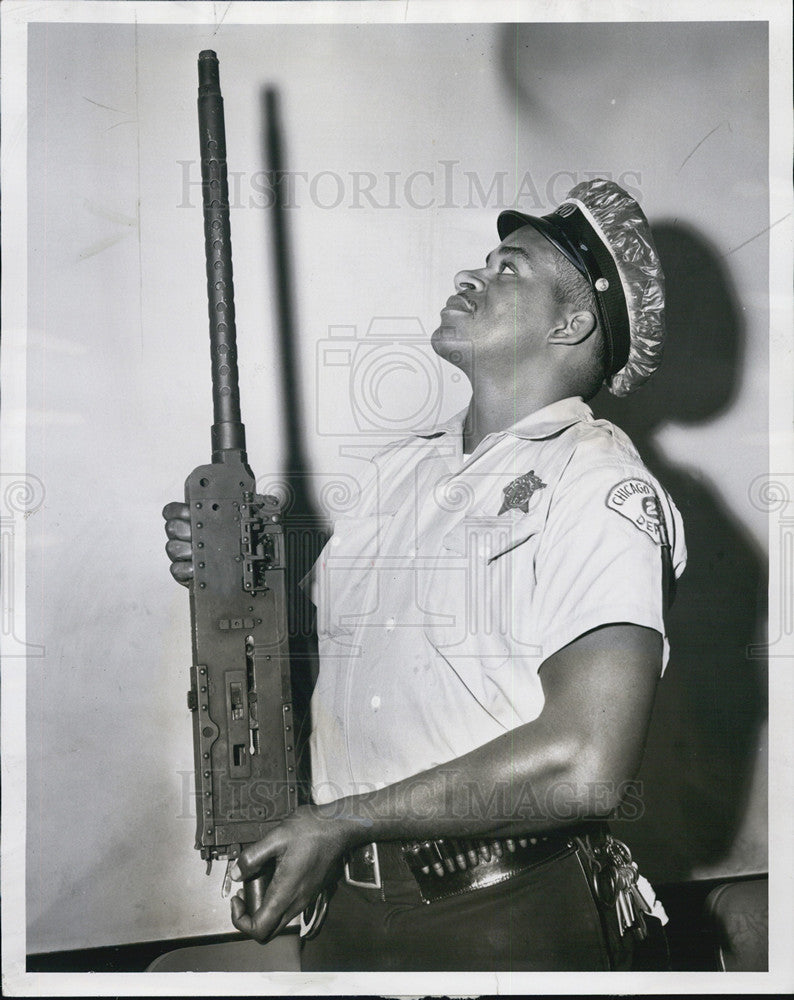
(451, 866)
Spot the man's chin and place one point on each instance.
(443, 340)
(451, 346)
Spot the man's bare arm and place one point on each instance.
(569, 764)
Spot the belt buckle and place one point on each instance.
(372, 851)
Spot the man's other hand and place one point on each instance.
(179, 546)
(306, 848)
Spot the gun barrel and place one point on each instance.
(228, 432)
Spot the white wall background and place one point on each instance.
(118, 374)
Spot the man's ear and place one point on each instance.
(575, 328)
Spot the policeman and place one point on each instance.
(491, 633)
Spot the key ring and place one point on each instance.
(607, 897)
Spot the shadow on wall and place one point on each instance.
(711, 703)
(305, 530)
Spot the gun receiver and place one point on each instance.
(240, 694)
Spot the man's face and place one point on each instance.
(501, 312)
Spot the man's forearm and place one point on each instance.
(571, 763)
(524, 781)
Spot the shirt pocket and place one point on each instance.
(482, 586)
(485, 537)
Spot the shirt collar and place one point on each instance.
(543, 423)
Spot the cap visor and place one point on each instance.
(508, 222)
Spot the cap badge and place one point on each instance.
(518, 493)
(602, 284)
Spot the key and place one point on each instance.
(510, 844)
(619, 901)
(630, 911)
(625, 915)
(497, 848)
(621, 919)
(625, 879)
(522, 841)
(636, 903)
(485, 851)
(627, 876)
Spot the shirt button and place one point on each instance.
(375, 703)
(390, 623)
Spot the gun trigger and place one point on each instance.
(209, 866)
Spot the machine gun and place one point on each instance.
(240, 693)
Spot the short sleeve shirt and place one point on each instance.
(455, 578)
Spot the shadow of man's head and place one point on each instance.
(700, 370)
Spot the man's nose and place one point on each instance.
(469, 281)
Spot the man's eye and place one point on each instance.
(506, 265)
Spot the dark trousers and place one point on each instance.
(543, 919)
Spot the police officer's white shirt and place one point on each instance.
(439, 596)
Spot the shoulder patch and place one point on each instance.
(637, 501)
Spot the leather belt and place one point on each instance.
(451, 866)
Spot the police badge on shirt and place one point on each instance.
(637, 501)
